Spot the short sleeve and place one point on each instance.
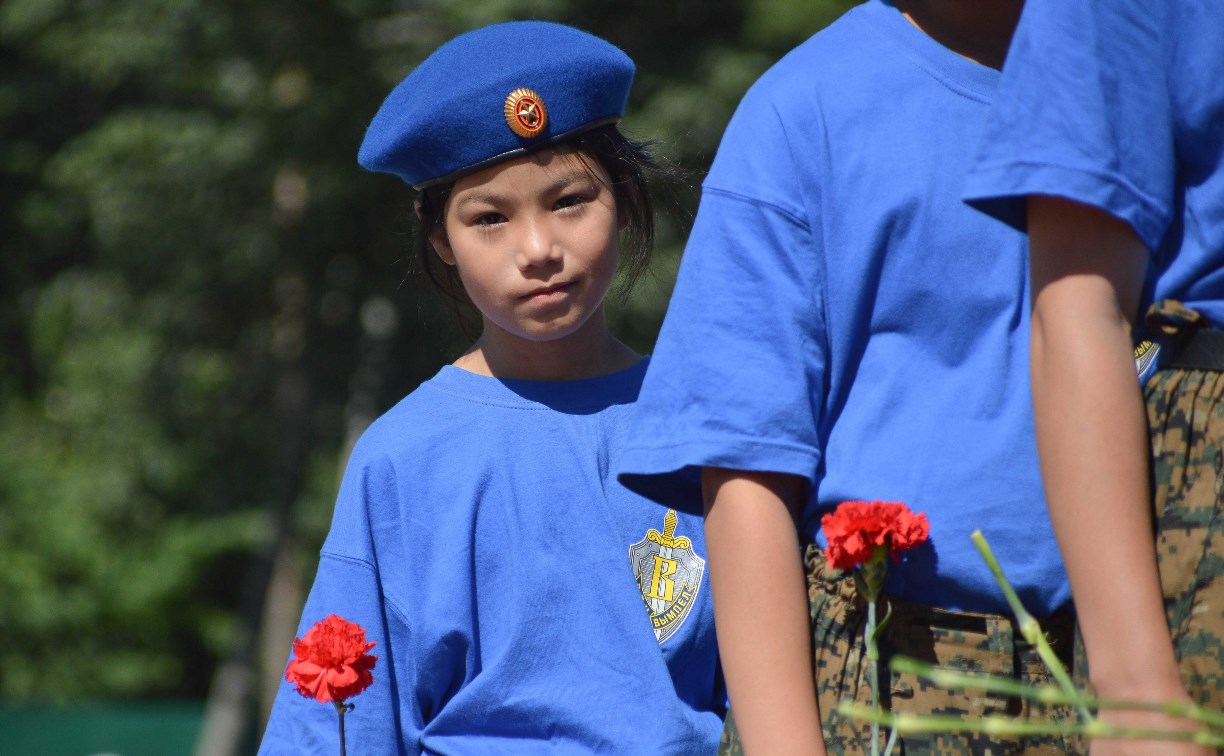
(1084, 113)
(387, 716)
(384, 718)
(738, 371)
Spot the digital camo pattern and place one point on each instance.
(961, 641)
(1185, 410)
(669, 574)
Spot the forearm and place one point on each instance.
(761, 610)
(1092, 438)
(1093, 444)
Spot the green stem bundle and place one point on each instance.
(1064, 693)
(1000, 726)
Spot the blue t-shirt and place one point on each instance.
(1119, 105)
(523, 602)
(841, 315)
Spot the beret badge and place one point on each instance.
(525, 113)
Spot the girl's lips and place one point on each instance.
(548, 292)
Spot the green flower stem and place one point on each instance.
(1028, 625)
(892, 736)
(342, 708)
(1047, 694)
(1174, 708)
(892, 741)
(870, 581)
(1009, 727)
(873, 673)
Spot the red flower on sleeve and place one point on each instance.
(856, 528)
(330, 663)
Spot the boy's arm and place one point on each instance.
(761, 609)
(1087, 273)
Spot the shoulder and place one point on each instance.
(416, 421)
(828, 85)
(393, 460)
(854, 44)
(1082, 78)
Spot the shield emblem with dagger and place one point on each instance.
(668, 574)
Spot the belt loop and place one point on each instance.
(1184, 338)
(1171, 319)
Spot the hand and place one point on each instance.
(1111, 747)
(1148, 720)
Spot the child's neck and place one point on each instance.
(979, 30)
(575, 357)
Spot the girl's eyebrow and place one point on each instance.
(578, 176)
(487, 198)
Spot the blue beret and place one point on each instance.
(492, 94)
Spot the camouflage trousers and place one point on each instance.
(981, 643)
(1185, 412)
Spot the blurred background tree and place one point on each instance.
(203, 300)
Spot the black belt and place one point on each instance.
(1204, 350)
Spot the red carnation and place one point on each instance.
(330, 663)
(861, 535)
(856, 528)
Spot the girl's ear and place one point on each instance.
(438, 240)
(437, 237)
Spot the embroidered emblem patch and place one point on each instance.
(669, 574)
(1146, 354)
(525, 112)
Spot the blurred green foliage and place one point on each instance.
(202, 298)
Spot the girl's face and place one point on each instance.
(535, 243)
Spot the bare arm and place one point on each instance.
(761, 609)
(1087, 270)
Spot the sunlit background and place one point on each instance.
(203, 301)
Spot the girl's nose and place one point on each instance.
(537, 246)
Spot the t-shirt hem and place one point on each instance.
(999, 190)
(730, 452)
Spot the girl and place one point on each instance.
(1109, 123)
(521, 599)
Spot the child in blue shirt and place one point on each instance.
(843, 327)
(522, 601)
(1109, 122)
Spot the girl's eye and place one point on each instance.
(489, 219)
(570, 200)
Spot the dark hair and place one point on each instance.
(631, 167)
